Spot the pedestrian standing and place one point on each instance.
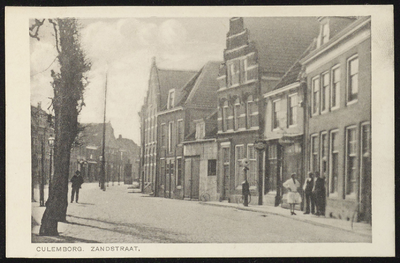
(293, 196)
(308, 187)
(319, 194)
(77, 181)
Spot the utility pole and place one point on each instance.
(103, 157)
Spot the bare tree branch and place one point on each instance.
(34, 33)
(56, 34)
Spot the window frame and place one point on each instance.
(292, 115)
(314, 154)
(325, 99)
(347, 189)
(315, 105)
(237, 166)
(324, 154)
(180, 131)
(348, 77)
(171, 94)
(333, 150)
(209, 166)
(236, 114)
(254, 161)
(275, 114)
(170, 135)
(337, 89)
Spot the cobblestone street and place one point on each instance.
(120, 216)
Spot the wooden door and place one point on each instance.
(188, 174)
(195, 178)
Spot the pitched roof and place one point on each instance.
(93, 135)
(172, 79)
(292, 75)
(280, 40)
(204, 92)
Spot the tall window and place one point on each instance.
(233, 72)
(324, 155)
(236, 113)
(212, 167)
(179, 170)
(252, 173)
(314, 153)
(334, 163)
(325, 93)
(239, 155)
(251, 112)
(171, 99)
(243, 70)
(273, 165)
(225, 108)
(163, 135)
(200, 130)
(275, 111)
(170, 130)
(242, 117)
(352, 75)
(292, 118)
(351, 160)
(335, 92)
(315, 95)
(324, 33)
(180, 131)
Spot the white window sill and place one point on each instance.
(351, 102)
(324, 112)
(335, 108)
(293, 126)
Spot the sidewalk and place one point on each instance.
(358, 228)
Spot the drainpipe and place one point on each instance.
(303, 88)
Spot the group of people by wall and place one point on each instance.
(314, 193)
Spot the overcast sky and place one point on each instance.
(125, 46)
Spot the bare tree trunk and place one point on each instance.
(68, 88)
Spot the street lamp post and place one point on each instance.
(51, 144)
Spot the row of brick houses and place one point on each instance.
(121, 155)
(292, 95)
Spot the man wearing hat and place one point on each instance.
(77, 181)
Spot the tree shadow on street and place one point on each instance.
(35, 238)
(156, 235)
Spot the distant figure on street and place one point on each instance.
(319, 194)
(308, 187)
(293, 196)
(77, 181)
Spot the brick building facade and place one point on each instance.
(259, 52)
(339, 121)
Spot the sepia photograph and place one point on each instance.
(155, 133)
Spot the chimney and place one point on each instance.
(39, 105)
(120, 136)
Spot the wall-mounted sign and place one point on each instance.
(260, 145)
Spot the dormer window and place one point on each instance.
(171, 99)
(324, 33)
(200, 130)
